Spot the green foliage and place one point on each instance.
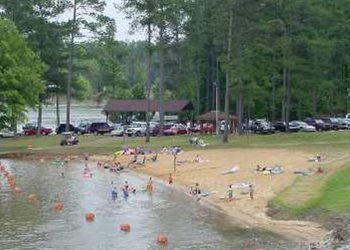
(82, 88)
(21, 72)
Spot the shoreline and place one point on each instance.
(244, 212)
(294, 230)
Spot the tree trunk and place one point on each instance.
(198, 89)
(314, 101)
(161, 76)
(70, 64)
(40, 115)
(207, 86)
(228, 80)
(284, 98)
(289, 95)
(57, 110)
(273, 101)
(149, 58)
(240, 112)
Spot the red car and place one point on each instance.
(206, 128)
(30, 129)
(176, 129)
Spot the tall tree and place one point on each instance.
(21, 74)
(86, 15)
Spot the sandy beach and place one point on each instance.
(244, 211)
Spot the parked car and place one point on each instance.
(156, 128)
(204, 128)
(343, 123)
(176, 129)
(281, 127)
(62, 128)
(303, 126)
(100, 128)
(31, 129)
(6, 133)
(82, 128)
(332, 122)
(118, 130)
(261, 126)
(136, 128)
(318, 124)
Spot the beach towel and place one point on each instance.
(234, 169)
(241, 185)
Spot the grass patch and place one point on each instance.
(313, 142)
(326, 196)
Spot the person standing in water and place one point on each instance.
(125, 189)
(114, 193)
(170, 179)
(149, 187)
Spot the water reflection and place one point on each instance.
(187, 224)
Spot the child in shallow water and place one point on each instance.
(114, 193)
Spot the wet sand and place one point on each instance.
(244, 211)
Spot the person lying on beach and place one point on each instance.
(154, 157)
(199, 159)
(317, 158)
(260, 169)
(181, 161)
(319, 170)
(133, 160)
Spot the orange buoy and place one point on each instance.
(162, 239)
(10, 178)
(58, 206)
(90, 216)
(125, 227)
(32, 198)
(17, 190)
(12, 184)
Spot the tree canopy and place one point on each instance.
(21, 74)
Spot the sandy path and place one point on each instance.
(246, 212)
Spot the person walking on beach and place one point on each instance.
(175, 154)
(251, 192)
(230, 193)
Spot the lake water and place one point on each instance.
(187, 223)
